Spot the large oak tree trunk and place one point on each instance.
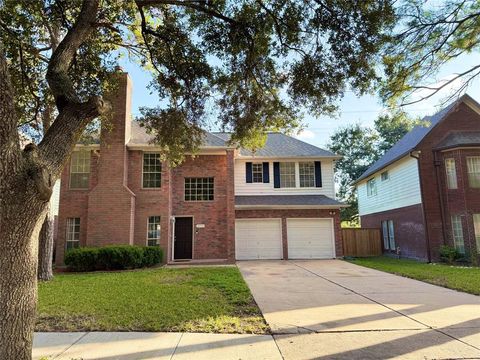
(26, 182)
(21, 217)
(45, 248)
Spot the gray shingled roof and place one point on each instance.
(139, 136)
(287, 200)
(411, 139)
(467, 138)
(277, 145)
(280, 145)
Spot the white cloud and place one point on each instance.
(305, 135)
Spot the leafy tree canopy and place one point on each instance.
(429, 35)
(259, 62)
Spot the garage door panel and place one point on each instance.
(258, 239)
(310, 239)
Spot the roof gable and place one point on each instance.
(410, 141)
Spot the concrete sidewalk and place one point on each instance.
(138, 345)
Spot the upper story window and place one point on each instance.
(152, 170)
(371, 187)
(457, 232)
(257, 172)
(199, 189)
(80, 170)
(384, 176)
(451, 172)
(73, 233)
(287, 175)
(153, 231)
(307, 174)
(303, 174)
(473, 166)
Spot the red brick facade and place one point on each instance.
(464, 201)
(439, 203)
(291, 213)
(409, 230)
(115, 208)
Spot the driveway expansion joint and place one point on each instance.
(386, 306)
(72, 344)
(176, 346)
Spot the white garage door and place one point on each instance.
(310, 239)
(258, 239)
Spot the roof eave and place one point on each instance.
(271, 207)
(332, 157)
(364, 177)
(458, 146)
(155, 147)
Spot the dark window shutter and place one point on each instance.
(318, 174)
(266, 173)
(248, 172)
(276, 174)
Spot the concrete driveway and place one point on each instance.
(331, 309)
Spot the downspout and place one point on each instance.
(427, 237)
(437, 163)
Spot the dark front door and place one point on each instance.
(183, 238)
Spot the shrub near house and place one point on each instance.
(112, 258)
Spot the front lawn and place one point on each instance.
(214, 299)
(465, 279)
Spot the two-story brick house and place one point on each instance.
(425, 191)
(224, 204)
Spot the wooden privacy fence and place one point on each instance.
(361, 242)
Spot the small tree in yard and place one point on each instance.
(243, 54)
(360, 147)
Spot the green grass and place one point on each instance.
(465, 279)
(214, 299)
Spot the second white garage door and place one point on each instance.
(310, 239)
(258, 239)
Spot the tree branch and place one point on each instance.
(61, 60)
(67, 128)
(195, 5)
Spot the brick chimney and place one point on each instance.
(111, 204)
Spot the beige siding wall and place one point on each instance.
(242, 188)
(400, 190)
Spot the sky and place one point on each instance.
(352, 109)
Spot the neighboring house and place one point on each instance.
(222, 205)
(425, 191)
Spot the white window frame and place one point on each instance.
(386, 242)
(295, 174)
(473, 169)
(476, 227)
(158, 230)
(151, 172)
(391, 235)
(457, 233)
(255, 170)
(384, 176)
(72, 236)
(80, 164)
(451, 173)
(372, 190)
(310, 164)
